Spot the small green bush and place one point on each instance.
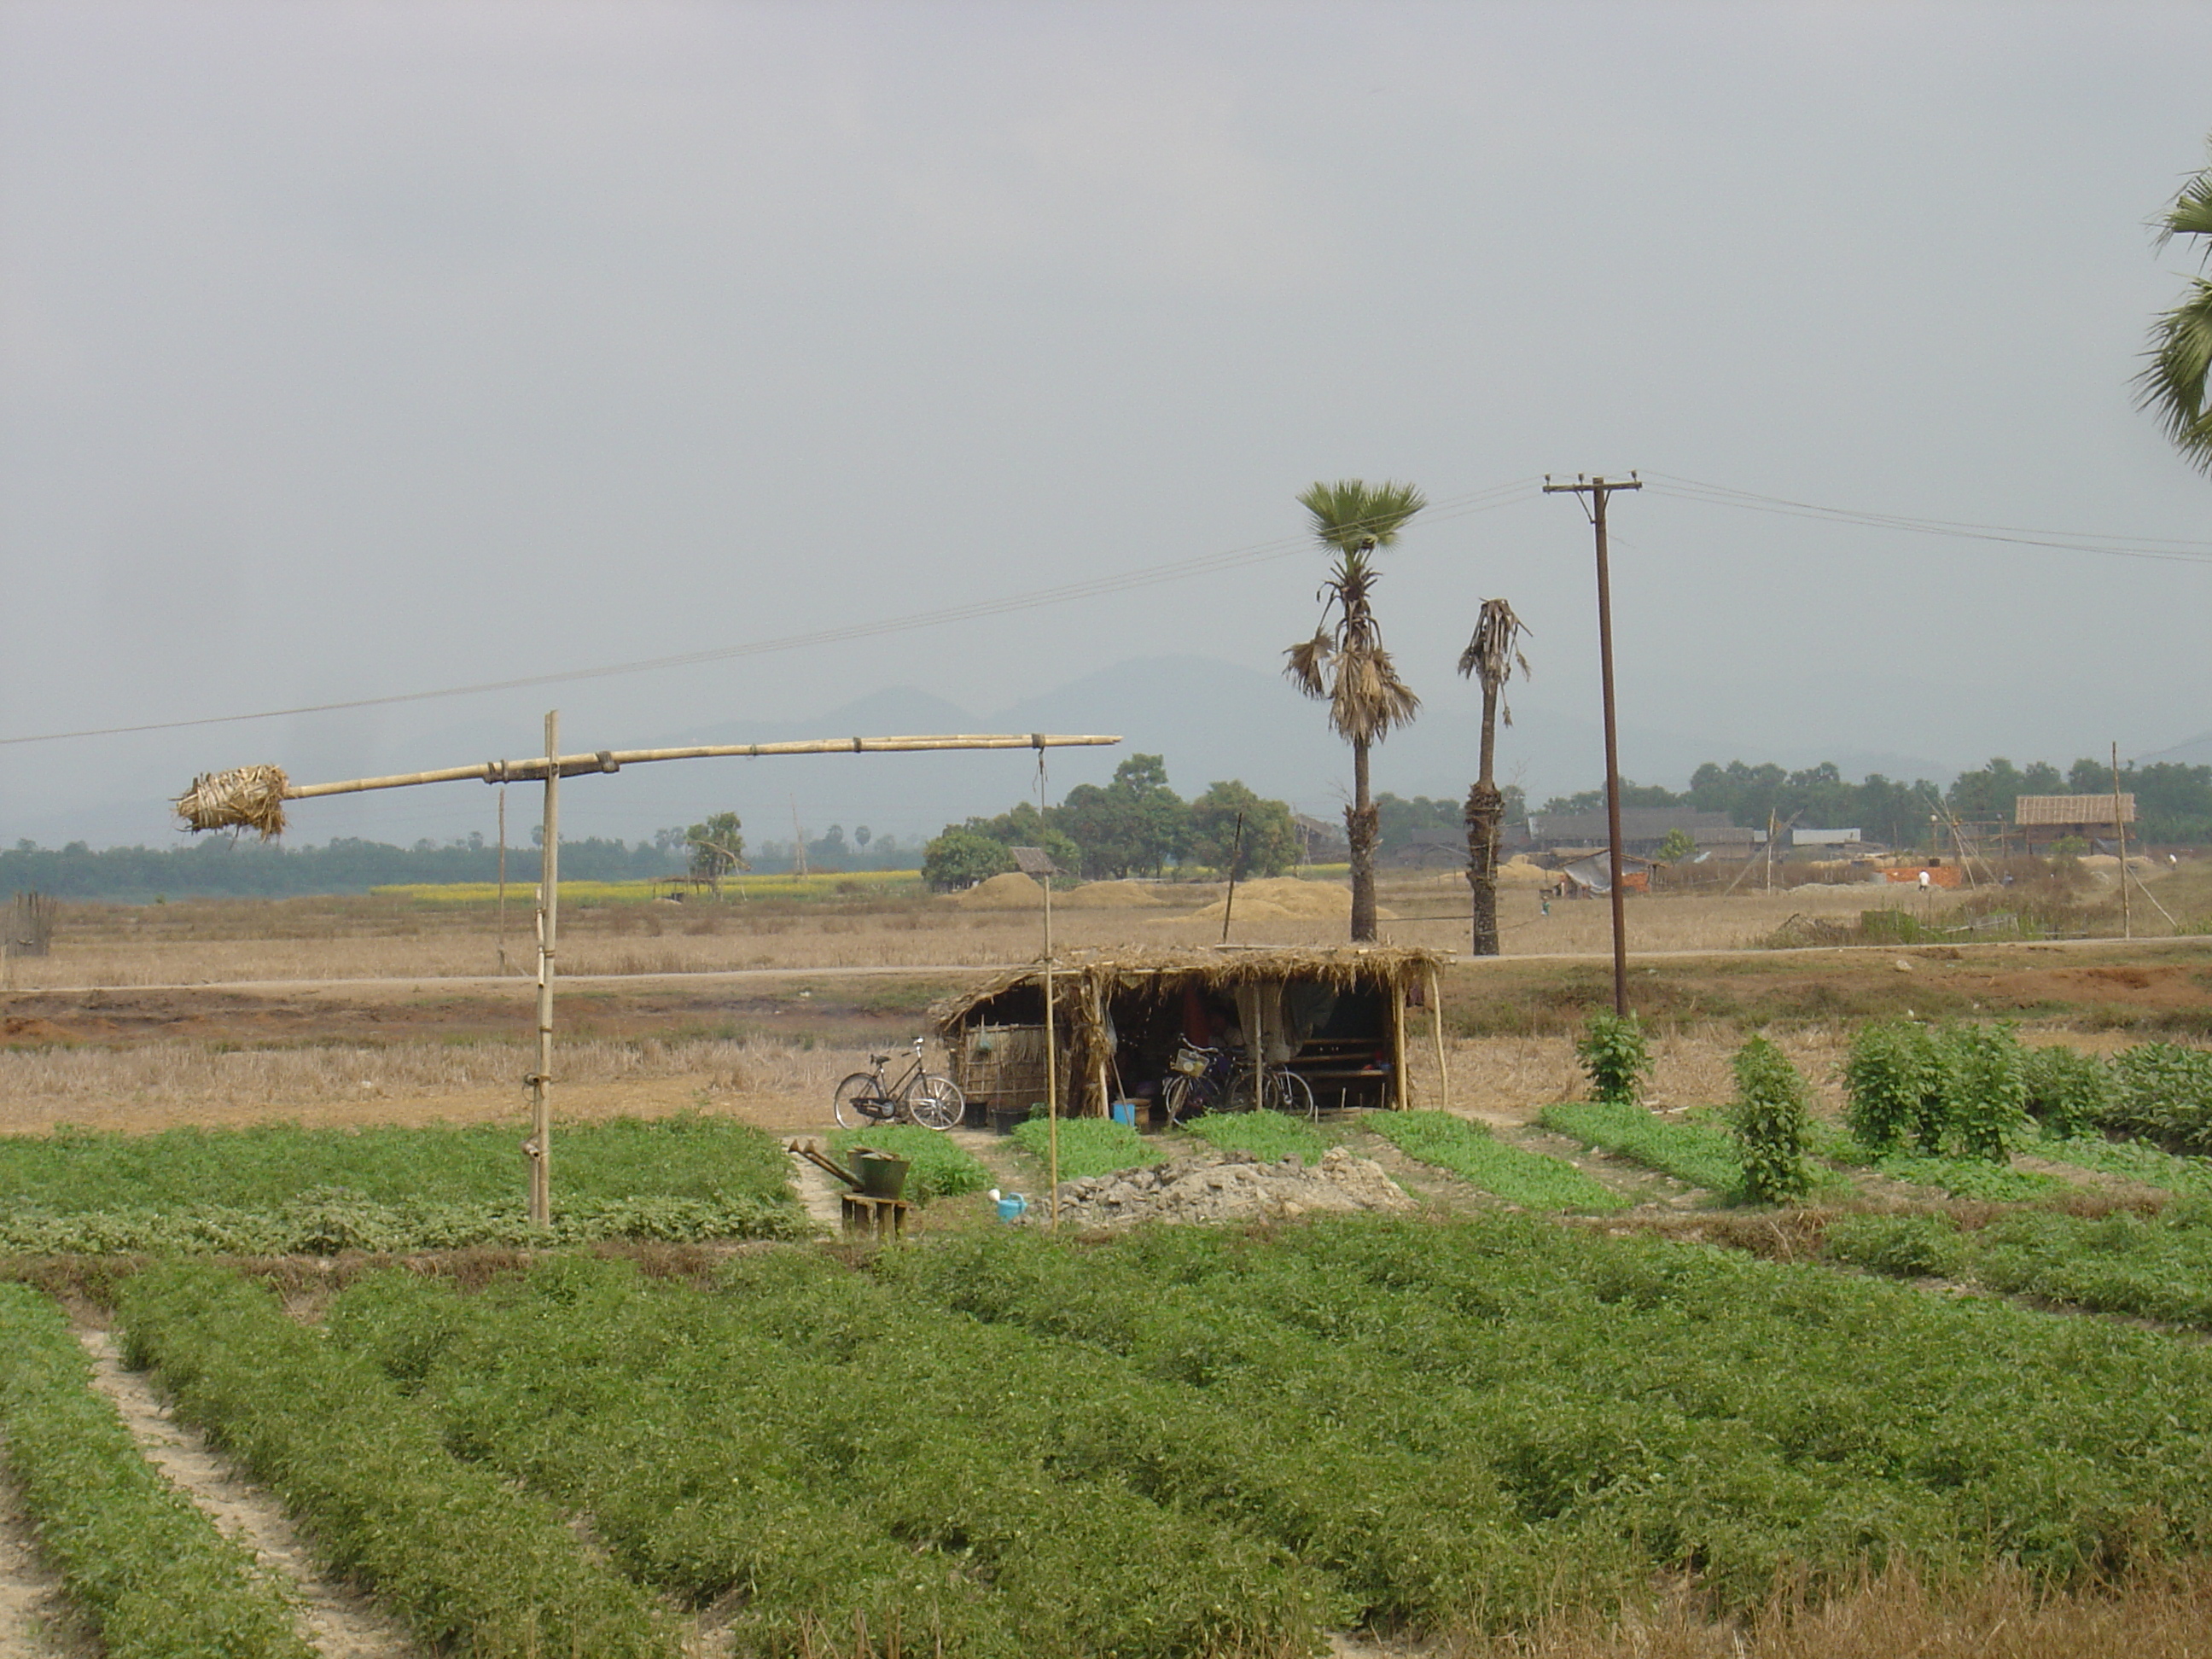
(1769, 1118)
(1887, 1077)
(2163, 1092)
(1615, 1057)
(2069, 1092)
(135, 1553)
(1987, 1091)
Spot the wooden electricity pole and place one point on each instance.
(1598, 489)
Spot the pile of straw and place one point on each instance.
(244, 797)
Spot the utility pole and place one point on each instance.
(540, 1145)
(2120, 828)
(1598, 489)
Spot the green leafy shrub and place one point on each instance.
(1769, 1117)
(1514, 1174)
(2069, 1092)
(1902, 1246)
(939, 1166)
(1615, 1057)
(473, 1565)
(2163, 1092)
(1268, 1136)
(135, 1553)
(1888, 1077)
(1986, 1089)
(1088, 1145)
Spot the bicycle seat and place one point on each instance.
(878, 1059)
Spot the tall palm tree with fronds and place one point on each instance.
(2174, 386)
(1345, 666)
(1491, 657)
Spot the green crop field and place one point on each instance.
(1268, 1136)
(1178, 1442)
(283, 1189)
(1513, 1173)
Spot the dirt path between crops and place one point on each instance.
(339, 1623)
(35, 1618)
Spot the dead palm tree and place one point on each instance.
(1491, 657)
(1347, 666)
(2174, 386)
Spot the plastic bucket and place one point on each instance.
(1125, 1111)
(1012, 1208)
(882, 1174)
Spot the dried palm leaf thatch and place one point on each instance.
(244, 797)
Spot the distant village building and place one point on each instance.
(1642, 828)
(1320, 842)
(1803, 837)
(1592, 877)
(2054, 817)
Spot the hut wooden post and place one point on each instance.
(1437, 1014)
(548, 915)
(1398, 1099)
(1101, 1054)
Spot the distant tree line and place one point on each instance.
(1135, 825)
(220, 867)
(2173, 802)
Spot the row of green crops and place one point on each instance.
(472, 1564)
(145, 1563)
(1695, 1153)
(2157, 1266)
(691, 1156)
(1270, 1137)
(1088, 1145)
(1182, 1441)
(938, 1166)
(326, 1223)
(1513, 1173)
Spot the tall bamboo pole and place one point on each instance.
(1051, 1065)
(2120, 828)
(503, 881)
(548, 916)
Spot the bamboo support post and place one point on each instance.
(1398, 1097)
(548, 918)
(1437, 1014)
(1051, 1066)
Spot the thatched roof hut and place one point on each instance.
(1337, 1017)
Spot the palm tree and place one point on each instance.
(1348, 667)
(2175, 383)
(1491, 656)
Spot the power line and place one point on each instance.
(1481, 501)
(2169, 549)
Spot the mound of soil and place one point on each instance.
(1011, 892)
(1228, 1186)
(1107, 895)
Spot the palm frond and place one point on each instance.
(1494, 652)
(1367, 699)
(2192, 212)
(2174, 385)
(1306, 664)
(1354, 516)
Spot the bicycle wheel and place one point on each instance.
(860, 1101)
(1241, 1095)
(935, 1102)
(1293, 1096)
(1183, 1096)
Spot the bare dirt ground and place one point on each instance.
(339, 1623)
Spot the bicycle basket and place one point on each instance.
(1191, 1062)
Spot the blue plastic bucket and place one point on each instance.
(1125, 1111)
(1012, 1208)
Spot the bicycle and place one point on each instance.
(919, 1096)
(1201, 1079)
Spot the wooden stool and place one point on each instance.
(874, 1217)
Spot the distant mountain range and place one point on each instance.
(1209, 719)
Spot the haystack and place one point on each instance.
(244, 797)
(1011, 892)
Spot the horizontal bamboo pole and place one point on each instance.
(613, 760)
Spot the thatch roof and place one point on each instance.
(1223, 968)
(2070, 809)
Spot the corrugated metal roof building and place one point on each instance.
(2071, 811)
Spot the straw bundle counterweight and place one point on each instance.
(244, 797)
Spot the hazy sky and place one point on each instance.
(357, 350)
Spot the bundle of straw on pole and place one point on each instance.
(244, 797)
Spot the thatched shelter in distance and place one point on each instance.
(1336, 1017)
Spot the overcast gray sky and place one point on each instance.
(357, 350)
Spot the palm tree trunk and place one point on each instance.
(1362, 829)
(1485, 807)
